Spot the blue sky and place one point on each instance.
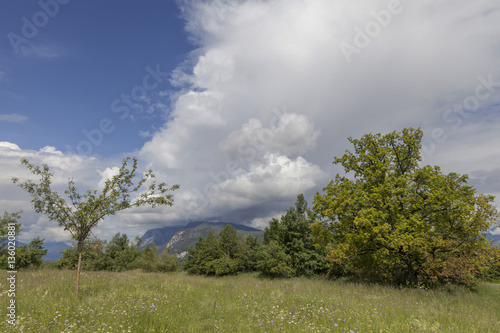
(243, 103)
(78, 63)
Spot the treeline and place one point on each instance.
(118, 255)
(287, 250)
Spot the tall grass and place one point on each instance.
(157, 302)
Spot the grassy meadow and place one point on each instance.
(156, 302)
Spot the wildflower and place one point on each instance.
(335, 325)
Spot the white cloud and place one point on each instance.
(13, 118)
(108, 173)
(287, 134)
(277, 177)
(234, 158)
(9, 145)
(263, 222)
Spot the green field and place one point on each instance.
(153, 302)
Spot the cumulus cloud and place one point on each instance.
(108, 173)
(288, 134)
(235, 158)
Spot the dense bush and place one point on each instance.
(226, 255)
(118, 255)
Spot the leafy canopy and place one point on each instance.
(395, 220)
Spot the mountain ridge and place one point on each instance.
(180, 238)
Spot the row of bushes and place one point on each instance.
(119, 254)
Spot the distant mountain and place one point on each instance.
(180, 238)
(54, 249)
(495, 239)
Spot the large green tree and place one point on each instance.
(390, 219)
(84, 211)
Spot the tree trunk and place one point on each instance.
(78, 270)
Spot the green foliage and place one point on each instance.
(199, 257)
(395, 221)
(30, 256)
(249, 248)
(149, 261)
(93, 256)
(230, 242)
(293, 234)
(119, 254)
(85, 211)
(227, 255)
(167, 262)
(224, 266)
(273, 261)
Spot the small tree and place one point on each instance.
(85, 211)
